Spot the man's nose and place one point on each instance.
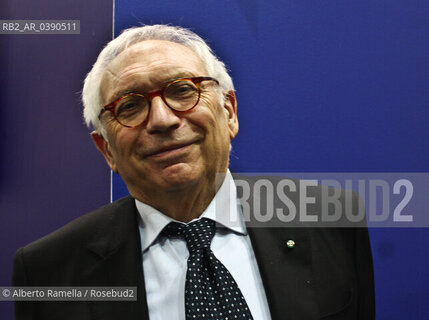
(161, 117)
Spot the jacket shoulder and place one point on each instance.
(81, 230)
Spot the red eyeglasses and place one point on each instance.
(132, 109)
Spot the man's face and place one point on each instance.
(172, 150)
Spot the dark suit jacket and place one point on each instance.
(327, 275)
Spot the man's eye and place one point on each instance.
(181, 90)
(127, 107)
(130, 108)
(184, 88)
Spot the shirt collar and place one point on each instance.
(224, 209)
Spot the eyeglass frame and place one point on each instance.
(150, 95)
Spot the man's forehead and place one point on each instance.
(149, 61)
(151, 51)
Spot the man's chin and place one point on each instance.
(179, 176)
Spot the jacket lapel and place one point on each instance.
(286, 272)
(118, 262)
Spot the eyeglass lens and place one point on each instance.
(133, 109)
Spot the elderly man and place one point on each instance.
(164, 112)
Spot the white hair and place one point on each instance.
(91, 88)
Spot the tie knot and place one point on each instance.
(198, 234)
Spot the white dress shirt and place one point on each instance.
(165, 259)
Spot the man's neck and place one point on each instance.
(183, 204)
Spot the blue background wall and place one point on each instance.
(325, 86)
(321, 86)
(50, 173)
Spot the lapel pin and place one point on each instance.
(290, 244)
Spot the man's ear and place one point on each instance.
(230, 106)
(103, 146)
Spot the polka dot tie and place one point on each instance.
(210, 291)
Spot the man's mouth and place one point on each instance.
(170, 150)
